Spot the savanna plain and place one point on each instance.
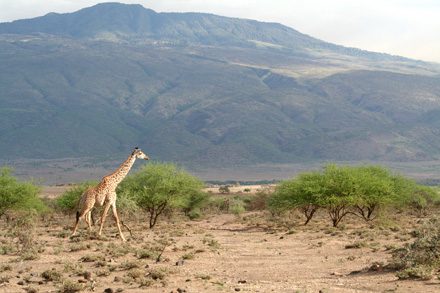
(228, 249)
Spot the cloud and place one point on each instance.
(401, 27)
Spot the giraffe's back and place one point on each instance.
(87, 200)
(103, 190)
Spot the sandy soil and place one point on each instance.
(54, 191)
(222, 253)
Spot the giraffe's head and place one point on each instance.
(138, 154)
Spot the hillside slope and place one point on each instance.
(206, 89)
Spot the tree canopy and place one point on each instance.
(343, 190)
(158, 186)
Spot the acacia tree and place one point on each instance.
(157, 187)
(344, 190)
(301, 193)
(332, 189)
(339, 192)
(375, 188)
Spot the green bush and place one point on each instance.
(423, 198)
(417, 197)
(224, 189)
(127, 206)
(18, 196)
(157, 187)
(194, 203)
(420, 259)
(68, 201)
(237, 206)
(218, 204)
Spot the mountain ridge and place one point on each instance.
(222, 100)
(147, 22)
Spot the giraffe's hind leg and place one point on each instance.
(88, 219)
(86, 204)
(79, 217)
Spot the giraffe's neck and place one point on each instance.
(116, 177)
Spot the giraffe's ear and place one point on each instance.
(136, 148)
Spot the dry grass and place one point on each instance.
(256, 252)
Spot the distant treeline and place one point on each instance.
(234, 182)
(429, 181)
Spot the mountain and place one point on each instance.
(204, 89)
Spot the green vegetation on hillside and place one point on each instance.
(206, 90)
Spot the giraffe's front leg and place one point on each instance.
(104, 215)
(115, 214)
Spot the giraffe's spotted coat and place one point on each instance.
(105, 193)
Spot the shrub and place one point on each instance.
(421, 258)
(419, 272)
(157, 274)
(70, 286)
(24, 229)
(146, 253)
(194, 204)
(259, 201)
(127, 206)
(417, 197)
(423, 198)
(157, 187)
(16, 195)
(218, 204)
(51, 275)
(237, 206)
(224, 189)
(68, 201)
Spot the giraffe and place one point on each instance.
(105, 193)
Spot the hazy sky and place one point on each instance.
(409, 28)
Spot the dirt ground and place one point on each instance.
(220, 253)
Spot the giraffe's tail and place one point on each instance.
(77, 216)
